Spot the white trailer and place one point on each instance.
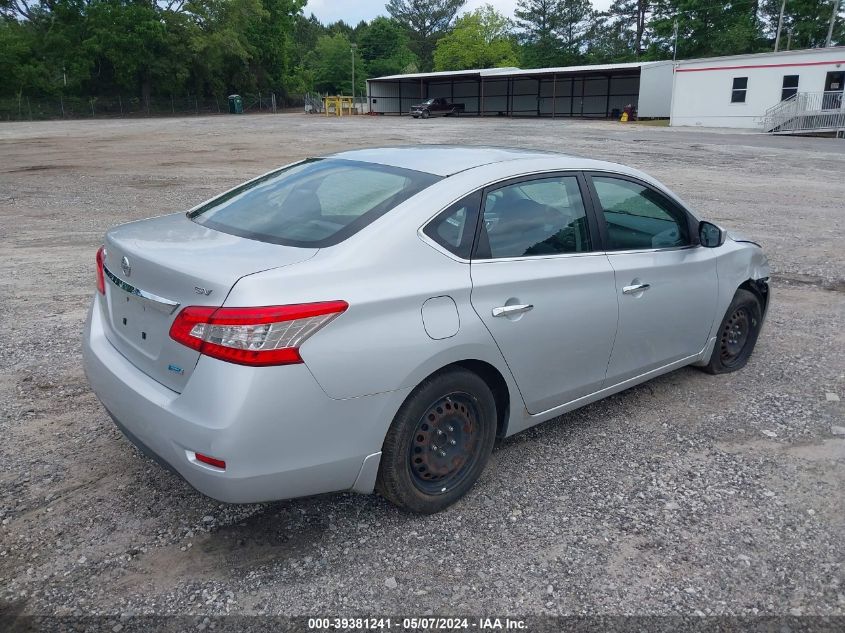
(738, 91)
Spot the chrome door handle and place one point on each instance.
(510, 310)
(632, 290)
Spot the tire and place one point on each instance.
(425, 114)
(456, 408)
(737, 334)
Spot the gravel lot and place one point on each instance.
(690, 494)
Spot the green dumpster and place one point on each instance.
(236, 104)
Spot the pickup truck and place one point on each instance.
(436, 106)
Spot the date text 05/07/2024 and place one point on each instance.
(418, 623)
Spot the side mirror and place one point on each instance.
(710, 235)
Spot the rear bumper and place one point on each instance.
(279, 433)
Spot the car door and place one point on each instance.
(543, 288)
(666, 284)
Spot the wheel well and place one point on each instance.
(498, 387)
(759, 288)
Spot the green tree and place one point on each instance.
(270, 31)
(384, 47)
(808, 20)
(425, 21)
(300, 47)
(542, 24)
(481, 39)
(576, 17)
(704, 29)
(332, 63)
(221, 47)
(619, 33)
(136, 46)
(613, 35)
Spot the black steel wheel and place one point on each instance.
(734, 335)
(445, 442)
(439, 442)
(737, 334)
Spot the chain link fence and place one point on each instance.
(41, 108)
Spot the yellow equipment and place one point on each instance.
(336, 104)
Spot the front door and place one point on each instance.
(834, 84)
(544, 289)
(666, 287)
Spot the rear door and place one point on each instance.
(666, 285)
(543, 289)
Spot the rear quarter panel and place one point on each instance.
(386, 272)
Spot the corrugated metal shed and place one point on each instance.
(595, 91)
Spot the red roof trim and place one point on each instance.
(696, 70)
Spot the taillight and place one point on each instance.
(101, 277)
(267, 335)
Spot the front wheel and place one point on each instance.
(737, 334)
(438, 443)
(425, 114)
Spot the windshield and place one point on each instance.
(319, 202)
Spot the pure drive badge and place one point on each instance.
(175, 369)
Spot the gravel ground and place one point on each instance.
(691, 494)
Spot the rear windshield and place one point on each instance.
(316, 203)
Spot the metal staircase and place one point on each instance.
(807, 113)
(313, 103)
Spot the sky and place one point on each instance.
(353, 11)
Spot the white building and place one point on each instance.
(741, 91)
(737, 91)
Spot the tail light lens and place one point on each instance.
(101, 277)
(267, 335)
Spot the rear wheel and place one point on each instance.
(438, 443)
(737, 334)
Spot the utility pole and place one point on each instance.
(832, 20)
(354, 46)
(675, 41)
(780, 24)
(789, 38)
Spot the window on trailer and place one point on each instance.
(740, 87)
(790, 86)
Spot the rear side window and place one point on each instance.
(312, 204)
(454, 228)
(538, 217)
(637, 217)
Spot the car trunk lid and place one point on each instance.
(156, 267)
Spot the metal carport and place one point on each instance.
(571, 91)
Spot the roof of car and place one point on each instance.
(446, 160)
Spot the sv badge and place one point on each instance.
(202, 291)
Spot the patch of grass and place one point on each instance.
(654, 122)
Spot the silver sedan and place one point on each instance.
(375, 319)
